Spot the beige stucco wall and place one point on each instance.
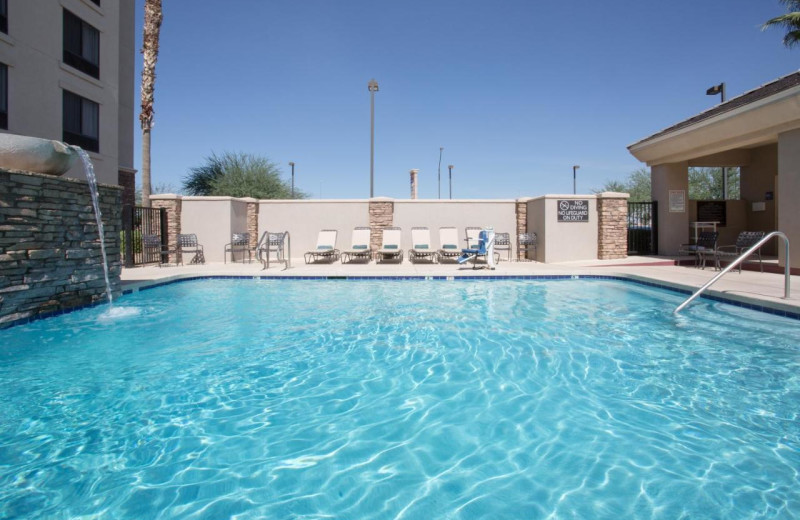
(212, 219)
(434, 214)
(304, 219)
(673, 228)
(757, 178)
(33, 51)
(562, 241)
(789, 190)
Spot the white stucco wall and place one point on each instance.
(212, 219)
(562, 241)
(433, 214)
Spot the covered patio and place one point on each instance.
(758, 132)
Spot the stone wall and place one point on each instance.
(127, 179)
(521, 208)
(612, 225)
(50, 257)
(252, 223)
(381, 216)
(173, 207)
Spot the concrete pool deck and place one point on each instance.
(750, 287)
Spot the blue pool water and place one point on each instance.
(416, 400)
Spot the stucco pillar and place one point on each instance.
(673, 222)
(381, 216)
(252, 222)
(414, 183)
(788, 193)
(521, 209)
(612, 225)
(173, 204)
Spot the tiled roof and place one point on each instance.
(764, 91)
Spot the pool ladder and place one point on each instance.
(741, 258)
(262, 249)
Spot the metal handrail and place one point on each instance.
(288, 253)
(741, 258)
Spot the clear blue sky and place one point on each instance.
(516, 91)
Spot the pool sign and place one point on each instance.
(573, 211)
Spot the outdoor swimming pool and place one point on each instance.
(416, 400)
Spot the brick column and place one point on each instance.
(172, 203)
(414, 183)
(522, 224)
(612, 225)
(252, 222)
(381, 216)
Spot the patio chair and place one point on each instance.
(152, 247)
(390, 245)
(706, 243)
(239, 242)
(528, 242)
(326, 247)
(271, 242)
(421, 245)
(187, 243)
(359, 246)
(744, 241)
(448, 244)
(502, 242)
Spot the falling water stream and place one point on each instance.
(89, 169)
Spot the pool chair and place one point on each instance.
(448, 244)
(153, 250)
(390, 245)
(240, 242)
(272, 243)
(187, 243)
(744, 241)
(359, 246)
(502, 242)
(326, 247)
(421, 245)
(485, 249)
(706, 243)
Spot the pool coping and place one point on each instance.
(769, 307)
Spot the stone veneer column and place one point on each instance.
(381, 216)
(612, 225)
(252, 222)
(522, 224)
(173, 204)
(127, 179)
(414, 174)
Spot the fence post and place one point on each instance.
(127, 234)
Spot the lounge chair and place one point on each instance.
(421, 245)
(326, 247)
(448, 243)
(390, 245)
(239, 242)
(706, 243)
(359, 246)
(187, 243)
(744, 241)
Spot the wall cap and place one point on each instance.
(613, 195)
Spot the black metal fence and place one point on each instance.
(642, 228)
(136, 222)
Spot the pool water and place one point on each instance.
(416, 400)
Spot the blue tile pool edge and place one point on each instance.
(636, 280)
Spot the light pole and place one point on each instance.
(441, 149)
(291, 163)
(713, 91)
(574, 179)
(450, 169)
(372, 86)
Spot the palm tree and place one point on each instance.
(152, 27)
(790, 20)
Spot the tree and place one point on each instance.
(152, 28)
(704, 184)
(637, 185)
(790, 21)
(239, 175)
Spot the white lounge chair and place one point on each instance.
(359, 247)
(390, 245)
(448, 243)
(326, 247)
(421, 248)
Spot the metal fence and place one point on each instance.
(642, 228)
(136, 222)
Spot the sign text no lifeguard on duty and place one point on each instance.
(573, 211)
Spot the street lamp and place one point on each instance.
(450, 169)
(291, 163)
(574, 179)
(372, 86)
(441, 149)
(713, 91)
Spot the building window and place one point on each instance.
(81, 122)
(3, 96)
(81, 45)
(4, 16)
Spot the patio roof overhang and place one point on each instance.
(748, 121)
